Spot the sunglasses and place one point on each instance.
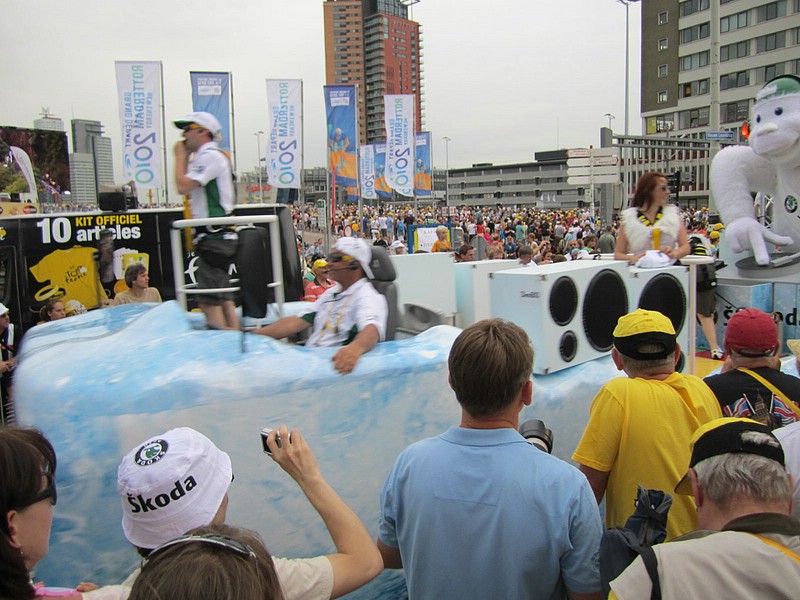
(193, 126)
(49, 492)
(337, 258)
(663, 188)
(214, 539)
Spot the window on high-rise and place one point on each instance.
(734, 51)
(770, 11)
(663, 17)
(764, 74)
(772, 41)
(734, 112)
(697, 117)
(694, 88)
(663, 44)
(662, 70)
(694, 61)
(662, 96)
(734, 80)
(734, 22)
(690, 7)
(697, 32)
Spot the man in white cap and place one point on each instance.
(203, 172)
(179, 480)
(351, 314)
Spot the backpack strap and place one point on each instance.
(772, 389)
(650, 561)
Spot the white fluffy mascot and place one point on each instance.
(770, 164)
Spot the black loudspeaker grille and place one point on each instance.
(568, 346)
(605, 301)
(563, 301)
(665, 294)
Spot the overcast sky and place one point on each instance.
(502, 79)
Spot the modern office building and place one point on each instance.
(540, 184)
(48, 122)
(91, 161)
(374, 45)
(685, 87)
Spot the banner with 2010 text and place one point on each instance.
(400, 122)
(139, 96)
(285, 145)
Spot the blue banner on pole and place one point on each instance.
(340, 108)
(423, 180)
(381, 185)
(211, 93)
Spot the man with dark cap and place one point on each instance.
(750, 545)
(203, 172)
(640, 426)
(751, 383)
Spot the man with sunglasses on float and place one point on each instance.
(351, 314)
(203, 172)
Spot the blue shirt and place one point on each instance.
(483, 514)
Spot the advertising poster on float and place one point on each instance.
(284, 150)
(139, 96)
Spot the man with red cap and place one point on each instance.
(751, 383)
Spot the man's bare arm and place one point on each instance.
(598, 480)
(283, 328)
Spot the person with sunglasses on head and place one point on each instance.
(27, 498)
(352, 314)
(217, 561)
(651, 223)
(203, 172)
(179, 480)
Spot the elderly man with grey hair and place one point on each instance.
(750, 545)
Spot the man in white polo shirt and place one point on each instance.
(352, 314)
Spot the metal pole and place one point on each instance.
(258, 135)
(627, 4)
(447, 170)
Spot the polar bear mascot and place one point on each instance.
(770, 164)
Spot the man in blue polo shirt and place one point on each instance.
(477, 512)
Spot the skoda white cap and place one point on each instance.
(170, 484)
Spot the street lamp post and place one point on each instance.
(258, 135)
(627, 5)
(446, 170)
(610, 117)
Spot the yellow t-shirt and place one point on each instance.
(639, 430)
(75, 272)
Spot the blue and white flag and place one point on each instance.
(139, 93)
(285, 147)
(400, 141)
(211, 94)
(342, 117)
(366, 169)
(423, 178)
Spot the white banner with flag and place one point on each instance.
(366, 168)
(285, 147)
(139, 93)
(400, 141)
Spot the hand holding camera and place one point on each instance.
(292, 453)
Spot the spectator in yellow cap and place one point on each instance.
(640, 426)
(319, 282)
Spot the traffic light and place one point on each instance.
(674, 182)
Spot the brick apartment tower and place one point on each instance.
(374, 45)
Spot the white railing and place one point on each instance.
(182, 289)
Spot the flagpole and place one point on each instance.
(302, 195)
(233, 124)
(164, 135)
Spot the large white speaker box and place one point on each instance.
(667, 291)
(569, 310)
(472, 288)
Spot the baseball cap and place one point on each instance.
(319, 263)
(724, 436)
(203, 119)
(3, 309)
(642, 327)
(397, 244)
(358, 249)
(779, 86)
(751, 332)
(170, 484)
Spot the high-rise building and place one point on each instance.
(91, 163)
(49, 123)
(374, 45)
(756, 41)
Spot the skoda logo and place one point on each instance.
(151, 452)
(790, 204)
